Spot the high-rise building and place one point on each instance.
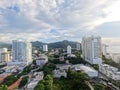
(68, 49)
(4, 55)
(21, 51)
(91, 49)
(104, 49)
(45, 48)
(78, 46)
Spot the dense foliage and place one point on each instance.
(110, 62)
(2, 66)
(45, 84)
(25, 71)
(74, 81)
(76, 60)
(48, 68)
(3, 87)
(99, 87)
(95, 66)
(9, 80)
(23, 81)
(55, 59)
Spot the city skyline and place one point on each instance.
(59, 44)
(60, 20)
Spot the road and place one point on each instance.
(108, 79)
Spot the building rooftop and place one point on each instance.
(34, 81)
(32, 84)
(84, 68)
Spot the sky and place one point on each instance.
(56, 20)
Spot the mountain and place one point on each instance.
(38, 44)
(5, 45)
(60, 44)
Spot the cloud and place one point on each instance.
(50, 20)
(109, 29)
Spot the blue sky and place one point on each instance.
(55, 20)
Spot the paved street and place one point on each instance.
(108, 79)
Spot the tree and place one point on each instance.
(40, 86)
(76, 60)
(25, 71)
(56, 87)
(48, 82)
(48, 68)
(99, 87)
(77, 80)
(95, 66)
(3, 87)
(9, 80)
(45, 84)
(110, 62)
(69, 74)
(23, 81)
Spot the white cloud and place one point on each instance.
(34, 19)
(114, 13)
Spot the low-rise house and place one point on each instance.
(59, 73)
(8, 70)
(78, 67)
(43, 59)
(64, 67)
(37, 76)
(71, 55)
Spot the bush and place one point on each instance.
(23, 81)
(2, 66)
(3, 87)
(95, 66)
(99, 87)
(9, 80)
(45, 84)
(76, 60)
(20, 74)
(25, 71)
(74, 81)
(110, 62)
(48, 68)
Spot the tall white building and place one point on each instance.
(45, 48)
(21, 51)
(68, 49)
(104, 49)
(91, 49)
(4, 55)
(77, 46)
